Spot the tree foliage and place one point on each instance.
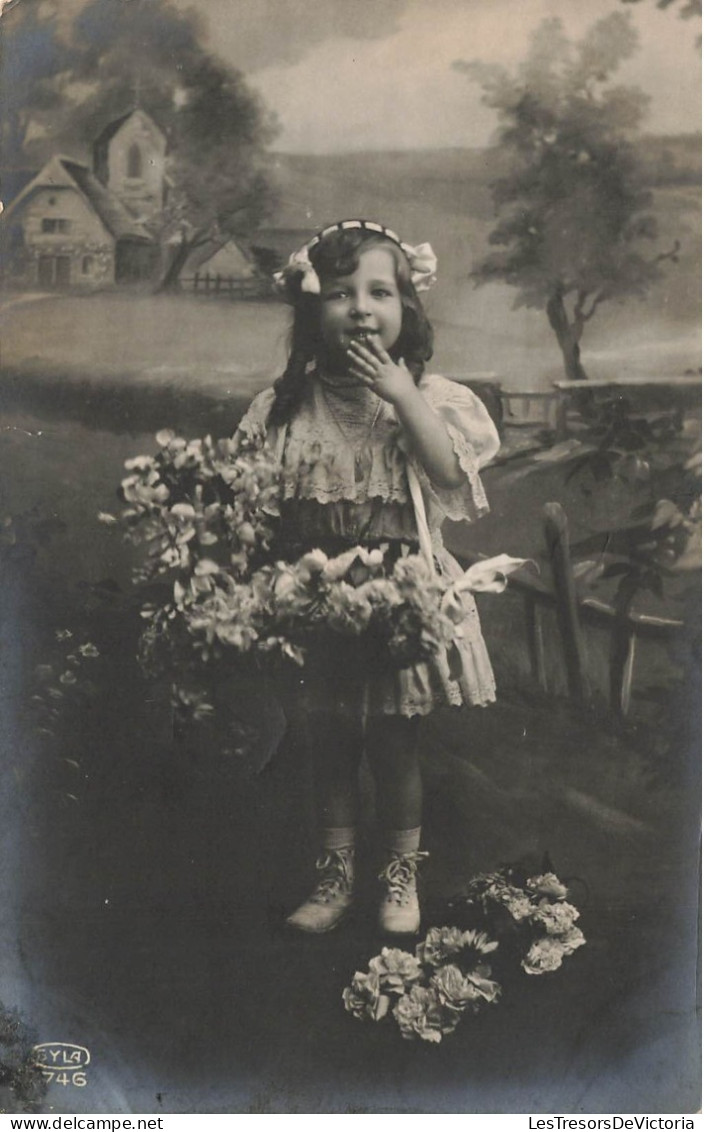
(572, 213)
(687, 8)
(113, 56)
(36, 65)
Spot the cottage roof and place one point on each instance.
(112, 127)
(63, 172)
(233, 257)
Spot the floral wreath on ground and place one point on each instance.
(521, 921)
(206, 513)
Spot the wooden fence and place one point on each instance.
(533, 409)
(573, 613)
(229, 285)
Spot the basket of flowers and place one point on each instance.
(204, 513)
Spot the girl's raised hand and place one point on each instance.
(370, 364)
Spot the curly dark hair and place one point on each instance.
(337, 255)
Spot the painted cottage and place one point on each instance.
(73, 226)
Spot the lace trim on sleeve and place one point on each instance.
(468, 501)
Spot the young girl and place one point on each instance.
(373, 451)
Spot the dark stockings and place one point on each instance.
(392, 748)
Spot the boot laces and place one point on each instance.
(399, 876)
(336, 879)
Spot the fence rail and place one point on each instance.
(626, 628)
(230, 285)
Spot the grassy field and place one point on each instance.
(235, 348)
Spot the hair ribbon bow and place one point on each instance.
(422, 260)
(424, 265)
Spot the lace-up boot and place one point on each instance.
(399, 913)
(331, 898)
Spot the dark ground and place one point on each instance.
(146, 882)
(149, 922)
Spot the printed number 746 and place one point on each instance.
(60, 1077)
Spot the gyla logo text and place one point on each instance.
(63, 1063)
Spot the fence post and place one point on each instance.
(536, 645)
(557, 540)
(561, 415)
(623, 656)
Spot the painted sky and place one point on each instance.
(376, 74)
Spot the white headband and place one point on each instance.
(422, 259)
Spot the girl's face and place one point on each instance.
(362, 305)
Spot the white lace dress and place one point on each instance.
(344, 459)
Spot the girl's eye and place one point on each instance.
(380, 293)
(341, 294)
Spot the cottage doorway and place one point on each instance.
(54, 271)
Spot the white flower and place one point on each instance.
(571, 940)
(557, 918)
(364, 999)
(395, 969)
(544, 955)
(547, 884)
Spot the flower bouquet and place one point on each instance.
(529, 913)
(207, 514)
(517, 918)
(426, 994)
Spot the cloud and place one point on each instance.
(283, 32)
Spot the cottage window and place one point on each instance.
(134, 161)
(87, 264)
(49, 224)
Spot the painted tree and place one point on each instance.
(36, 64)
(151, 54)
(687, 8)
(573, 223)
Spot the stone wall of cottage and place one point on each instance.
(55, 225)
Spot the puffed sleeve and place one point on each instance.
(253, 426)
(474, 439)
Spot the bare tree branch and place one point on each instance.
(671, 254)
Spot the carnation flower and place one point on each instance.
(419, 1014)
(458, 991)
(364, 999)
(518, 904)
(571, 940)
(547, 885)
(557, 918)
(498, 891)
(396, 970)
(544, 955)
(347, 610)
